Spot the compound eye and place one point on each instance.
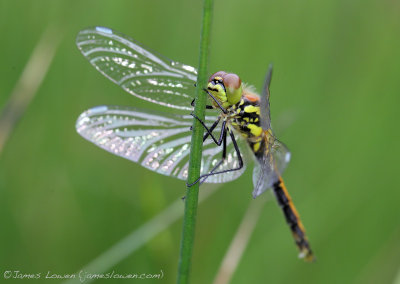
(217, 74)
(232, 81)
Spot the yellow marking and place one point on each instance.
(254, 129)
(256, 119)
(252, 109)
(234, 123)
(246, 119)
(256, 146)
(244, 134)
(242, 122)
(238, 110)
(241, 102)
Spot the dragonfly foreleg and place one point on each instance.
(211, 173)
(216, 101)
(210, 130)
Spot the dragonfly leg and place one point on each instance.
(221, 161)
(239, 155)
(218, 103)
(210, 130)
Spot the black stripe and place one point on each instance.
(283, 202)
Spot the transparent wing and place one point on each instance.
(270, 166)
(138, 71)
(265, 119)
(280, 156)
(158, 141)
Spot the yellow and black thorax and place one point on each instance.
(244, 117)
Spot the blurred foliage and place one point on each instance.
(334, 102)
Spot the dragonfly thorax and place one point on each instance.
(245, 119)
(225, 87)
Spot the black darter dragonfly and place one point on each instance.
(160, 141)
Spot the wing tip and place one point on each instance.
(84, 117)
(257, 192)
(80, 124)
(104, 30)
(99, 29)
(82, 36)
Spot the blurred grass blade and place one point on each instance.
(239, 242)
(397, 279)
(138, 238)
(31, 78)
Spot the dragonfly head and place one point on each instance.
(226, 87)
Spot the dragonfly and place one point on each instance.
(160, 140)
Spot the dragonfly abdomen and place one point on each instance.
(293, 220)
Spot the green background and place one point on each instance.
(334, 102)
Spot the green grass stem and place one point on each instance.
(191, 200)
